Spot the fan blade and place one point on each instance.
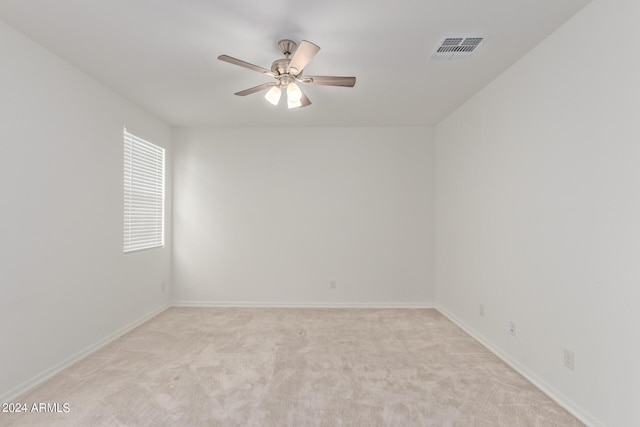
(235, 61)
(301, 57)
(304, 101)
(255, 89)
(329, 81)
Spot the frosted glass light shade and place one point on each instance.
(293, 92)
(273, 96)
(293, 104)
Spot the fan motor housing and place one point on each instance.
(280, 66)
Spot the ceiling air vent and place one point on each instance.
(457, 47)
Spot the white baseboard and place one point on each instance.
(45, 375)
(298, 304)
(546, 388)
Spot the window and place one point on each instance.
(143, 194)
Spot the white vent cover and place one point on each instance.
(457, 47)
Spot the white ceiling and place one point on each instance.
(161, 54)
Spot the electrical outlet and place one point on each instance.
(512, 328)
(569, 359)
(164, 286)
(481, 310)
(332, 284)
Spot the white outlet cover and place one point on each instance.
(569, 359)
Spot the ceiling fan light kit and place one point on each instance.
(273, 95)
(288, 72)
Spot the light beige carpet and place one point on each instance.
(293, 367)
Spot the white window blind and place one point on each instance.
(143, 194)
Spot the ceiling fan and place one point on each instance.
(287, 71)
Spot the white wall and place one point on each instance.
(272, 215)
(538, 212)
(64, 283)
